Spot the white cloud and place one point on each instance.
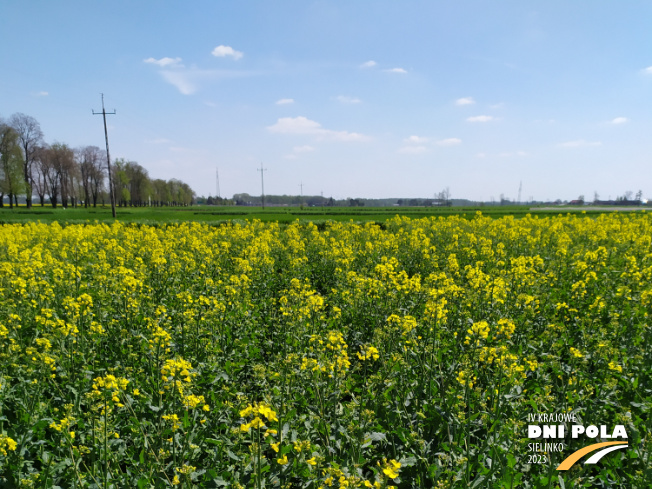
(449, 142)
(481, 118)
(347, 100)
(580, 143)
(414, 150)
(368, 64)
(416, 140)
(481, 155)
(222, 51)
(620, 120)
(285, 101)
(499, 105)
(304, 126)
(296, 125)
(41, 94)
(648, 70)
(396, 70)
(465, 101)
(165, 62)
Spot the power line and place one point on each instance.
(108, 158)
(262, 182)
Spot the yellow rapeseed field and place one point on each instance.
(408, 354)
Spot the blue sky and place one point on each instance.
(352, 99)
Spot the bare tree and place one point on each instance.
(30, 136)
(40, 171)
(97, 173)
(58, 160)
(91, 173)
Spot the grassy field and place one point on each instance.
(348, 355)
(221, 214)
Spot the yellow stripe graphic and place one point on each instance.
(575, 456)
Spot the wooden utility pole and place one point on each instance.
(108, 157)
(262, 182)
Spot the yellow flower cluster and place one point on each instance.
(109, 385)
(368, 353)
(479, 330)
(7, 443)
(257, 410)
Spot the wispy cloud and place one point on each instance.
(297, 150)
(481, 118)
(465, 101)
(41, 94)
(182, 81)
(165, 62)
(188, 81)
(285, 101)
(304, 126)
(648, 70)
(368, 64)
(509, 154)
(449, 142)
(416, 140)
(347, 100)
(580, 143)
(396, 70)
(222, 51)
(619, 120)
(182, 149)
(158, 141)
(413, 150)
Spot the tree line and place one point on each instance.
(60, 175)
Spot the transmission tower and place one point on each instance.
(262, 181)
(520, 187)
(108, 158)
(217, 182)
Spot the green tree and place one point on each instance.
(11, 181)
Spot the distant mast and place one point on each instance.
(217, 182)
